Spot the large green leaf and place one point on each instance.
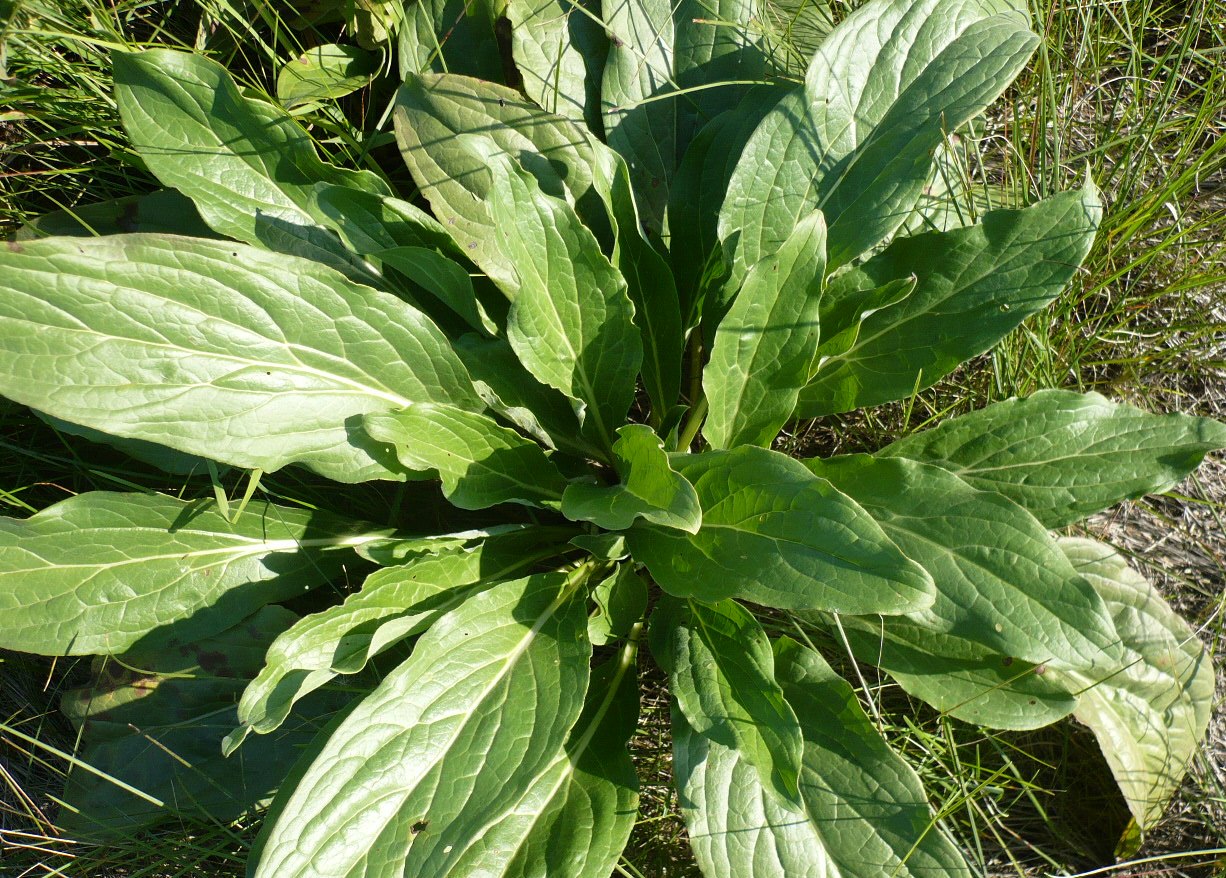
(571, 324)
(100, 571)
(370, 223)
(248, 166)
(959, 677)
(593, 804)
(697, 195)
(863, 813)
(432, 110)
(880, 95)
(252, 358)
(393, 604)
(649, 283)
(152, 722)
(559, 48)
(325, 72)
(765, 345)
(459, 36)
(1149, 715)
(972, 287)
(446, 767)
(721, 671)
(1001, 580)
(164, 211)
(658, 48)
(774, 534)
(1064, 455)
(480, 462)
(649, 489)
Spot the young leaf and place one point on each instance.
(1150, 715)
(247, 164)
(252, 358)
(649, 283)
(880, 96)
(863, 812)
(1065, 455)
(393, 604)
(621, 600)
(571, 323)
(650, 489)
(973, 286)
(658, 48)
(369, 223)
(721, 671)
(593, 804)
(432, 110)
(774, 534)
(480, 462)
(1001, 580)
(765, 344)
(325, 72)
(446, 767)
(559, 48)
(100, 571)
(154, 723)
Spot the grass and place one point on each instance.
(1133, 90)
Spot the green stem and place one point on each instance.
(692, 425)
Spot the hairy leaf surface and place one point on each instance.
(251, 358)
(774, 534)
(1065, 455)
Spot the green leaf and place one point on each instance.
(658, 48)
(863, 815)
(571, 324)
(483, 764)
(973, 286)
(166, 459)
(650, 489)
(444, 279)
(960, 677)
(1065, 455)
(255, 359)
(1151, 714)
(764, 346)
(325, 72)
(793, 31)
(621, 600)
(721, 671)
(165, 211)
(774, 534)
(585, 825)
(509, 389)
(480, 462)
(844, 310)
(393, 604)
(698, 190)
(880, 95)
(154, 722)
(649, 283)
(1001, 580)
(433, 110)
(456, 36)
(373, 21)
(369, 223)
(248, 166)
(559, 49)
(100, 571)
